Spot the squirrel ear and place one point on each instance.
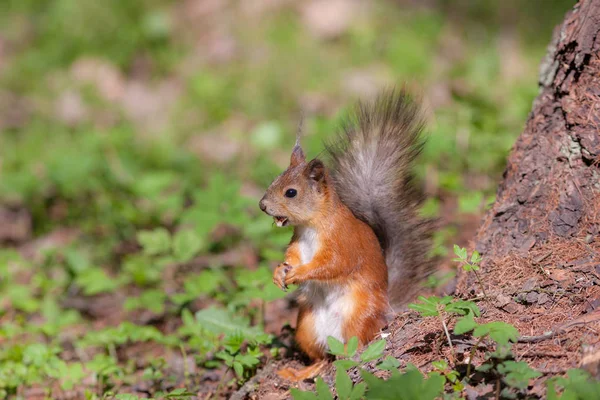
(298, 156)
(316, 170)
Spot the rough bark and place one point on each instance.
(552, 178)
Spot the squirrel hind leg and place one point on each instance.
(300, 375)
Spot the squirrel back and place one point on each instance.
(371, 164)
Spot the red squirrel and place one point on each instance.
(358, 245)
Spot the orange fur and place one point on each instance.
(349, 254)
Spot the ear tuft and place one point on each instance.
(316, 170)
(298, 156)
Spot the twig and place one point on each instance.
(498, 389)
(542, 258)
(112, 350)
(583, 320)
(221, 381)
(186, 371)
(538, 338)
(553, 354)
(481, 284)
(471, 355)
(447, 336)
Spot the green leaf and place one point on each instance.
(238, 368)
(460, 252)
(152, 299)
(408, 386)
(374, 351)
(389, 364)
(335, 346)
(352, 346)
(95, 280)
(484, 367)
(186, 244)
(157, 241)
(247, 360)
(499, 331)
(220, 321)
(576, 385)
(358, 391)
(323, 390)
(206, 282)
(343, 384)
(441, 365)
(126, 396)
(465, 324)
(180, 393)
(71, 375)
(427, 306)
(301, 395)
(345, 364)
(463, 307)
(475, 257)
(452, 376)
(225, 356)
(517, 374)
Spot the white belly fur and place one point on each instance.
(331, 303)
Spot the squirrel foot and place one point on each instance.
(298, 375)
(279, 275)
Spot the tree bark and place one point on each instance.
(552, 180)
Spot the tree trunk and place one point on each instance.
(540, 241)
(552, 181)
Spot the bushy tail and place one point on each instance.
(371, 165)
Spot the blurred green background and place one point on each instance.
(137, 136)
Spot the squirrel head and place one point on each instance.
(296, 196)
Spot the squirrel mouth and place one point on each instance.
(280, 221)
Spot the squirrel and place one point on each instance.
(358, 246)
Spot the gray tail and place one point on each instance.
(371, 167)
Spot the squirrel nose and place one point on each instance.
(262, 205)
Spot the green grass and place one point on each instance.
(144, 204)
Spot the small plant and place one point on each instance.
(322, 392)
(500, 332)
(577, 385)
(471, 264)
(516, 375)
(434, 306)
(345, 389)
(242, 364)
(345, 353)
(411, 385)
(337, 348)
(452, 376)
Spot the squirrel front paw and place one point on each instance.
(279, 275)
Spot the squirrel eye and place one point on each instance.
(291, 193)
